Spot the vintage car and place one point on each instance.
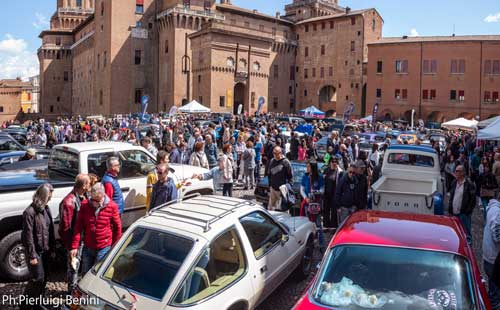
(411, 181)
(209, 252)
(427, 264)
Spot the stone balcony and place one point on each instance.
(75, 11)
(179, 10)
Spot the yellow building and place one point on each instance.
(27, 101)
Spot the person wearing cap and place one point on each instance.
(165, 190)
(29, 155)
(38, 239)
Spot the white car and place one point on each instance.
(208, 252)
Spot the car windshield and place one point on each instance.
(370, 277)
(148, 261)
(411, 160)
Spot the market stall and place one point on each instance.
(312, 111)
(194, 107)
(492, 132)
(460, 123)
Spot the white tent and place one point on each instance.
(492, 132)
(487, 122)
(194, 107)
(460, 123)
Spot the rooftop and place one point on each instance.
(338, 15)
(14, 83)
(405, 39)
(94, 146)
(253, 13)
(426, 232)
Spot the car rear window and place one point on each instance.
(148, 261)
(372, 277)
(63, 163)
(411, 160)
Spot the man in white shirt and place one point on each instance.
(462, 200)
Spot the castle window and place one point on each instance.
(1, 109)
(79, 3)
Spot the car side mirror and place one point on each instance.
(284, 239)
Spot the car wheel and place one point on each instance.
(306, 264)
(12, 258)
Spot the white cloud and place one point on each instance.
(492, 18)
(16, 60)
(41, 21)
(413, 32)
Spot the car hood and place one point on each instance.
(185, 171)
(26, 179)
(291, 223)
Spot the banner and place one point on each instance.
(262, 101)
(240, 109)
(374, 115)
(349, 109)
(173, 110)
(229, 95)
(144, 103)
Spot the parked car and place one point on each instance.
(411, 181)
(65, 163)
(321, 147)
(9, 144)
(20, 134)
(350, 130)
(298, 169)
(427, 264)
(12, 157)
(209, 252)
(291, 119)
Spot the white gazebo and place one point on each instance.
(460, 123)
(194, 107)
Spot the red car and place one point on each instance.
(397, 261)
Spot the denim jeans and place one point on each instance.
(493, 290)
(466, 221)
(90, 257)
(38, 275)
(227, 189)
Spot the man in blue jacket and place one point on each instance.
(111, 185)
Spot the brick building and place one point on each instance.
(442, 78)
(101, 56)
(11, 95)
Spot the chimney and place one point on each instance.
(278, 15)
(225, 1)
(347, 10)
(405, 37)
(255, 11)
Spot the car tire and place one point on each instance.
(12, 258)
(306, 263)
(239, 306)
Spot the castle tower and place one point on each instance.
(70, 13)
(304, 9)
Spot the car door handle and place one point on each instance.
(263, 269)
(125, 189)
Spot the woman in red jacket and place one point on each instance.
(99, 221)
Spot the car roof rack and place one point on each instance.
(172, 211)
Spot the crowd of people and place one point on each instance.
(240, 150)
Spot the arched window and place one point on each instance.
(79, 3)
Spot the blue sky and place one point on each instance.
(21, 21)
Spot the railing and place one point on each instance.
(188, 11)
(76, 10)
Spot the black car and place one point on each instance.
(298, 168)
